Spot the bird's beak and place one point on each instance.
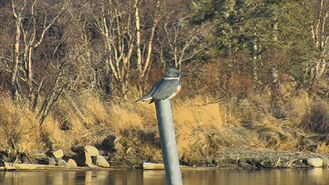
(183, 74)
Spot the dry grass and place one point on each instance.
(197, 113)
(55, 138)
(299, 107)
(193, 119)
(65, 117)
(122, 119)
(252, 110)
(274, 134)
(202, 126)
(94, 109)
(18, 127)
(97, 121)
(318, 118)
(144, 111)
(322, 148)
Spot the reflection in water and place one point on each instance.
(190, 177)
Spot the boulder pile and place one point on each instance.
(87, 156)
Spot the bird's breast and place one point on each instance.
(178, 88)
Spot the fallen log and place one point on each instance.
(160, 166)
(19, 166)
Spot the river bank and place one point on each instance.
(239, 133)
(232, 158)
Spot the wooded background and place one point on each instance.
(58, 49)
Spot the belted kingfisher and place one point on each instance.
(165, 88)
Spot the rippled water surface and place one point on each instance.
(190, 177)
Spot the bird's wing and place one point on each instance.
(165, 89)
(149, 96)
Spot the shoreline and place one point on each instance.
(228, 158)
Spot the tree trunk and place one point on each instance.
(30, 77)
(275, 29)
(107, 81)
(254, 63)
(144, 57)
(36, 96)
(14, 72)
(138, 38)
(123, 89)
(275, 84)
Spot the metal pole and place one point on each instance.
(168, 142)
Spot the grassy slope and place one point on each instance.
(203, 127)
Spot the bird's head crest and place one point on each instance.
(172, 72)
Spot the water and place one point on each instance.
(191, 177)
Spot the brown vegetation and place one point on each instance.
(204, 127)
(70, 70)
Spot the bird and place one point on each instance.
(166, 88)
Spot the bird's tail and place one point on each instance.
(144, 98)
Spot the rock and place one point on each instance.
(58, 154)
(103, 152)
(91, 165)
(61, 162)
(209, 160)
(315, 162)
(101, 161)
(40, 156)
(71, 163)
(51, 161)
(87, 158)
(83, 158)
(93, 151)
(108, 142)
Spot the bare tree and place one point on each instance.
(320, 34)
(183, 43)
(115, 23)
(18, 15)
(32, 21)
(33, 35)
(144, 52)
